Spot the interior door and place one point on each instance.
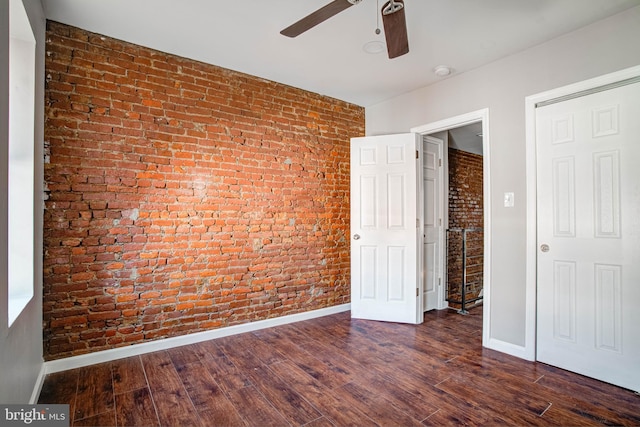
(385, 229)
(433, 228)
(588, 152)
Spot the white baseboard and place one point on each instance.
(514, 350)
(37, 388)
(167, 343)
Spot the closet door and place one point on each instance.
(588, 152)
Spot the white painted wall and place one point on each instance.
(21, 345)
(606, 46)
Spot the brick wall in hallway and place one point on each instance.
(466, 211)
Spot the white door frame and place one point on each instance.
(531, 167)
(455, 122)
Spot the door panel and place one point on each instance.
(384, 230)
(588, 152)
(433, 228)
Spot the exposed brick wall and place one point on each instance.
(183, 197)
(465, 211)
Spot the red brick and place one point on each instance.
(466, 210)
(171, 207)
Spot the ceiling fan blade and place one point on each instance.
(316, 17)
(395, 28)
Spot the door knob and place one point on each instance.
(544, 247)
(356, 237)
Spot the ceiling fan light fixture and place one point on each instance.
(374, 47)
(442, 70)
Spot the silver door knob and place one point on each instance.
(544, 247)
(356, 237)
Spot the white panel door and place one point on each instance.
(384, 228)
(433, 234)
(588, 152)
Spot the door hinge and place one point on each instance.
(417, 154)
(440, 162)
(417, 292)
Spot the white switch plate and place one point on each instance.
(508, 200)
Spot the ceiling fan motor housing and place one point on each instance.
(392, 7)
(395, 28)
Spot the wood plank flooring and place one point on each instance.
(335, 371)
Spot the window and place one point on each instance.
(22, 53)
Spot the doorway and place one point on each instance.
(468, 135)
(453, 218)
(464, 249)
(387, 225)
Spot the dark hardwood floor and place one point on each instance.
(335, 371)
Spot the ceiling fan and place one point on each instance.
(393, 19)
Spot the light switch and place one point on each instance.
(508, 200)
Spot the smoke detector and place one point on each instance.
(442, 70)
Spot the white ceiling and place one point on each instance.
(467, 138)
(244, 35)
